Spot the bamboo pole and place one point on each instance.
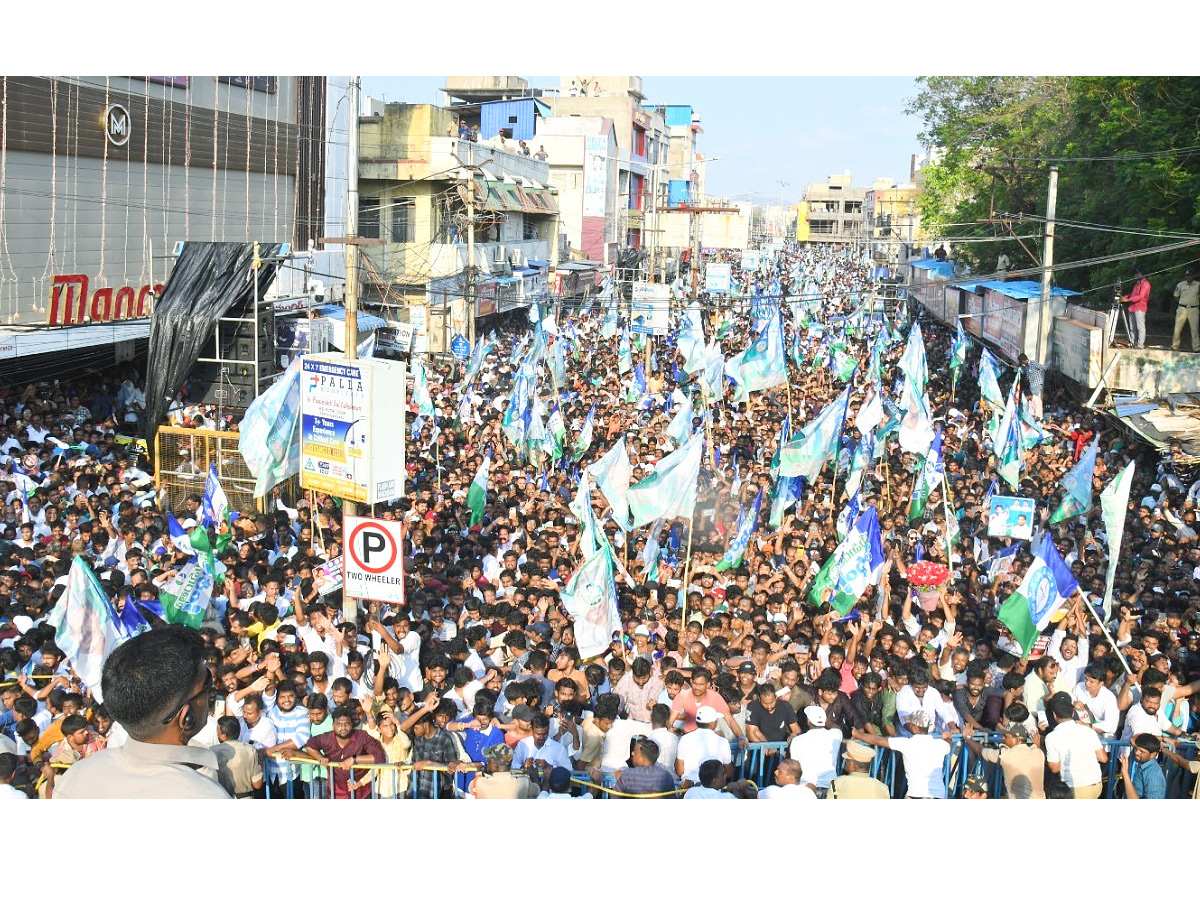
(1104, 630)
(687, 569)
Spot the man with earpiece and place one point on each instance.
(158, 688)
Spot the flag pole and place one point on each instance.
(687, 569)
(1104, 631)
(946, 510)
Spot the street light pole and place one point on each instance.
(350, 339)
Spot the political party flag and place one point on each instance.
(1002, 562)
(785, 433)
(1007, 447)
(475, 361)
(864, 453)
(86, 627)
(477, 493)
(989, 381)
(817, 442)
(913, 362)
(870, 413)
(624, 355)
(958, 352)
(844, 365)
(1114, 500)
(652, 551)
(179, 535)
(916, 427)
(613, 472)
(1046, 586)
(680, 427)
(787, 492)
(214, 508)
(763, 363)
(855, 565)
(848, 516)
(714, 370)
(590, 536)
(585, 434)
(929, 480)
(421, 397)
(670, 490)
(591, 600)
(1077, 487)
(741, 540)
(558, 430)
(691, 338)
(186, 597)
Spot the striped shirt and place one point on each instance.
(293, 726)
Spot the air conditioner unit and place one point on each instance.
(517, 258)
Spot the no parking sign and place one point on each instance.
(374, 559)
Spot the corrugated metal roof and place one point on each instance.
(1024, 290)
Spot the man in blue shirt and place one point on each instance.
(1144, 780)
(477, 732)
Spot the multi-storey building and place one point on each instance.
(834, 211)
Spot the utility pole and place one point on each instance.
(349, 507)
(1037, 342)
(470, 292)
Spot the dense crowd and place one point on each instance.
(476, 687)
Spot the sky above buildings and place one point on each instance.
(764, 129)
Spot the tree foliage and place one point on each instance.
(1128, 154)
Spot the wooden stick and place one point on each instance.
(1116, 649)
(687, 569)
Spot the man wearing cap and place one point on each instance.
(499, 782)
(856, 782)
(975, 788)
(817, 750)
(1187, 293)
(700, 745)
(1023, 765)
(924, 756)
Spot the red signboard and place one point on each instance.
(70, 303)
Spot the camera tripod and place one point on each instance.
(1117, 315)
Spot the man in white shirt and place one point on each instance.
(1070, 651)
(1094, 698)
(538, 747)
(405, 647)
(916, 696)
(257, 729)
(1147, 717)
(667, 740)
(817, 749)
(924, 756)
(700, 745)
(787, 784)
(712, 777)
(1074, 750)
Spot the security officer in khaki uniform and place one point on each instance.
(857, 783)
(1187, 292)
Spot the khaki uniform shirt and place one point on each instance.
(242, 762)
(139, 771)
(503, 786)
(858, 786)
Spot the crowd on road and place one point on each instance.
(723, 679)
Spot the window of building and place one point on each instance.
(853, 206)
(529, 231)
(403, 220)
(822, 226)
(368, 217)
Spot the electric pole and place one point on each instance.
(349, 507)
(470, 293)
(1038, 349)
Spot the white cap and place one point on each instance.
(188, 523)
(815, 716)
(706, 715)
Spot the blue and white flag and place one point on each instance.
(670, 490)
(215, 507)
(989, 382)
(680, 428)
(179, 536)
(741, 540)
(818, 441)
(1077, 487)
(591, 600)
(86, 627)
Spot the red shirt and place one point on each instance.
(1139, 297)
(689, 704)
(359, 744)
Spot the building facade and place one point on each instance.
(834, 212)
(892, 220)
(103, 176)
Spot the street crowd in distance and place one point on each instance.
(723, 678)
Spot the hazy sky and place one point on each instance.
(765, 129)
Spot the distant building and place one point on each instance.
(892, 220)
(835, 210)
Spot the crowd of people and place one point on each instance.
(476, 688)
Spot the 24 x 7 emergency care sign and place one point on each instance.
(373, 564)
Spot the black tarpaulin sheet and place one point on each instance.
(208, 280)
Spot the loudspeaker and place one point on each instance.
(231, 383)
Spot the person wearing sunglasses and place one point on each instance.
(158, 688)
